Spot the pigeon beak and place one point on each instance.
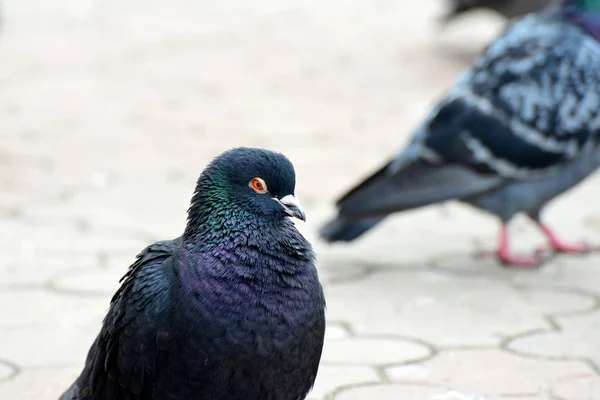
(292, 207)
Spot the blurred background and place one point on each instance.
(110, 109)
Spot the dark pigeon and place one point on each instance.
(518, 128)
(231, 310)
(507, 8)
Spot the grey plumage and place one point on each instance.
(517, 129)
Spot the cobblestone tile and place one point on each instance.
(62, 343)
(414, 392)
(399, 240)
(100, 282)
(6, 371)
(23, 267)
(128, 205)
(334, 331)
(341, 273)
(332, 377)
(571, 272)
(583, 388)
(40, 329)
(491, 372)
(575, 339)
(36, 252)
(372, 351)
(420, 304)
(23, 179)
(30, 239)
(38, 383)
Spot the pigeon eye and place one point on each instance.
(258, 185)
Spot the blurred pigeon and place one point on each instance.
(233, 309)
(507, 8)
(518, 128)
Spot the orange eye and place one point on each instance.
(258, 185)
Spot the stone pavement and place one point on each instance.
(110, 108)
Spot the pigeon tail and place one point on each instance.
(417, 184)
(341, 230)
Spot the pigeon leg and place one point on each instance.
(504, 255)
(556, 244)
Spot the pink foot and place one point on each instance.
(504, 255)
(571, 248)
(534, 261)
(559, 246)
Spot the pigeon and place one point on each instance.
(507, 8)
(517, 129)
(231, 310)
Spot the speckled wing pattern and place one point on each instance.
(530, 104)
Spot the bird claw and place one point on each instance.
(569, 248)
(541, 255)
(538, 259)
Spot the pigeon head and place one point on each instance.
(245, 183)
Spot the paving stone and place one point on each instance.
(39, 306)
(491, 372)
(398, 242)
(372, 351)
(24, 179)
(29, 239)
(49, 345)
(102, 282)
(332, 377)
(334, 331)
(574, 272)
(564, 271)
(575, 339)
(338, 273)
(35, 252)
(414, 392)
(38, 328)
(24, 267)
(6, 371)
(38, 383)
(420, 304)
(154, 207)
(586, 388)
(144, 93)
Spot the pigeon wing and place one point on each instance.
(123, 359)
(528, 106)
